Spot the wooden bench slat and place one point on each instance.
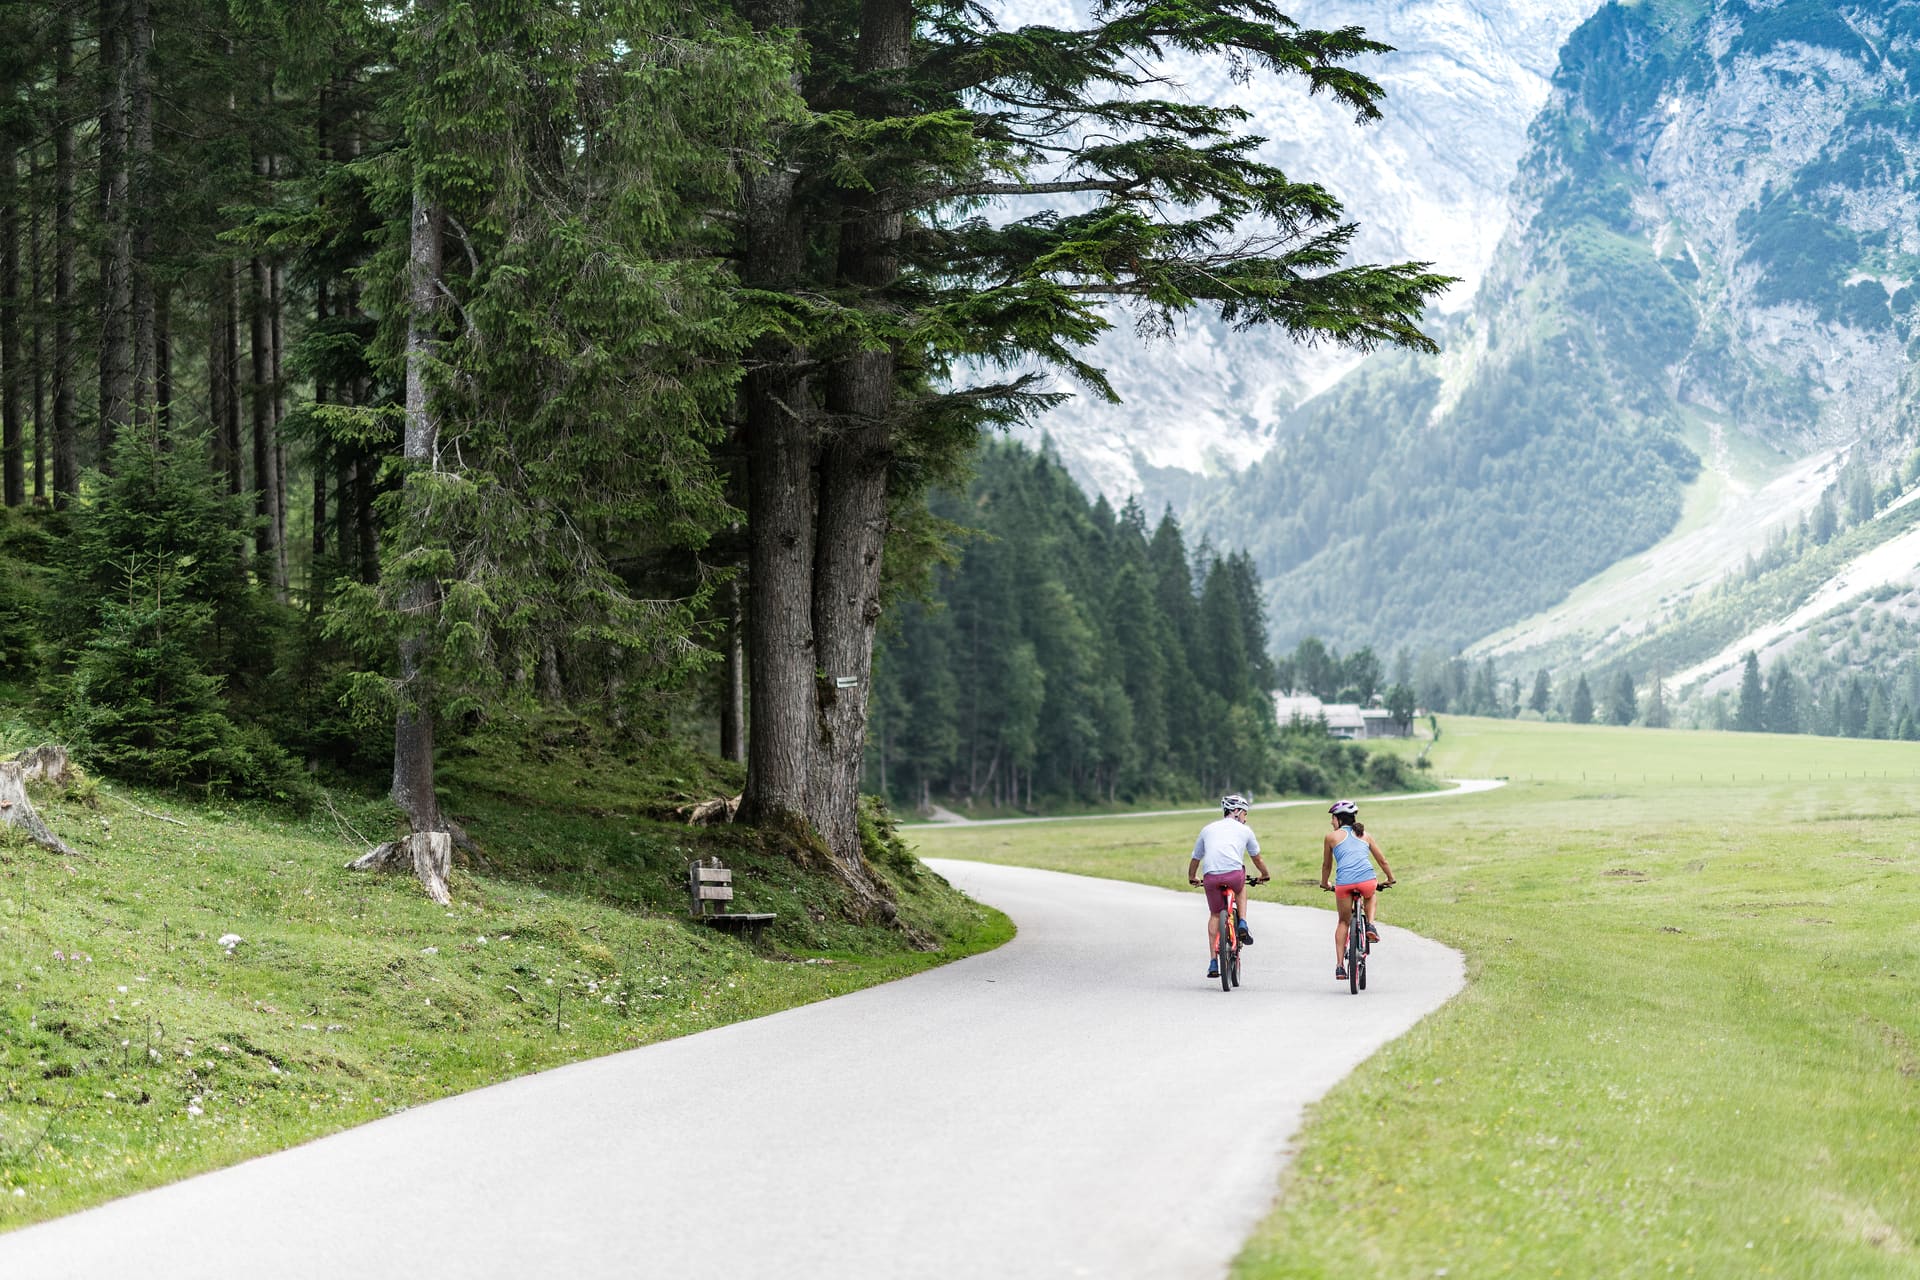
(713, 875)
(715, 893)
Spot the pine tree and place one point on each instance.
(1783, 713)
(1657, 714)
(1542, 692)
(1751, 715)
(1624, 705)
(1582, 709)
(531, 284)
(915, 121)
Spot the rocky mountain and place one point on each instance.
(1432, 182)
(1707, 284)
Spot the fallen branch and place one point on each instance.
(145, 813)
(708, 812)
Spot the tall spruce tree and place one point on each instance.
(1582, 708)
(1623, 704)
(1751, 714)
(869, 243)
(551, 249)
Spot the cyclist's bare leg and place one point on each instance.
(1213, 933)
(1340, 927)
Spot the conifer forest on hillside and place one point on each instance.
(378, 377)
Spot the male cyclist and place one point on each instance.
(1219, 863)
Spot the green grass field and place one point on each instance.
(1690, 1043)
(135, 1049)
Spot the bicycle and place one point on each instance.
(1227, 944)
(1358, 947)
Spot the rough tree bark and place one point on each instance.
(37, 351)
(779, 432)
(138, 167)
(48, 763)
(116, 256)
(66, 466)
(733, 703)
(265, 474)
(277, 401)
(12, 366)
(413, 781)
(317, 448)
(852, 513)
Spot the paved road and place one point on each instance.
(944, 818)
(1078, 1103)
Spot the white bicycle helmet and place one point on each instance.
(1341, 807)
(1229, 803)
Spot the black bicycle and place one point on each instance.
(1357, 945)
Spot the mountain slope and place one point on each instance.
(1716, 237)
(1431, 182)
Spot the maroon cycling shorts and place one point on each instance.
(1219, 882)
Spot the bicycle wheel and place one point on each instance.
(1356, 955)
(1223, 950)
(1366, 953)
(1236, 964)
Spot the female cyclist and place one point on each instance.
(1347, 856)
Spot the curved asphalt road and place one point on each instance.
(1080, 1102)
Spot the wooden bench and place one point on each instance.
(710, 885)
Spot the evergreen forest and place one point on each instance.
(1071, 653)
(381, 382)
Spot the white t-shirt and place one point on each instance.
(1224, 846)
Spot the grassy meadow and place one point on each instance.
(136, 1049)
(1690, 1043)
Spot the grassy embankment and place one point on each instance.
(1690, 1042)
(135, 1049)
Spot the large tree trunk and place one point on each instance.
(116, 257)
(413, 783)
(733, 701)
(66, 464)
(37, 352)
(852, 519)
(779, 432)
(317, 454)
(278, 401)
(13, 368)
(265, 474)
(141, 296)
(163, 363)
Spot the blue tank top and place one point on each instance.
(1353, 861)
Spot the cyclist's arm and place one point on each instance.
(1260, 862)
(1326, 862)
(1380, 858)
(1193, 871)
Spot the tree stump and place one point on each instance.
(44, 763)
(428, 854)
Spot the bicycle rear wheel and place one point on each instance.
(1223, 950)
(1356, 951)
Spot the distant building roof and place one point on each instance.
(1343, 715)
(1340, 716)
